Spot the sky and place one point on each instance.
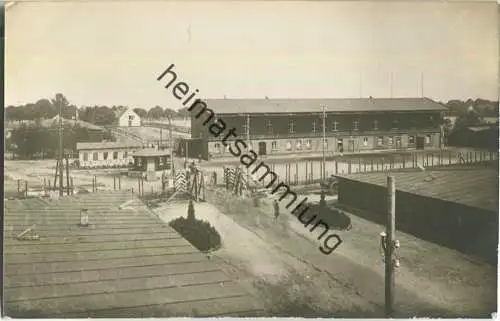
(111, 53)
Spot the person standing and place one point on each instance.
(276, 209)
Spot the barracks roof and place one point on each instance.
(471, 187)
(255, 106)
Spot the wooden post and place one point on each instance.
(139, 185)
(114, 183)
(389, 246)
(336, 166)
(142, 186)
(359, 164)
(349, 166)
(296, 173)
(371, 163)
(307, 174)
(67, 176)
(50, 187)
(18, 186)
(119, 183)
(26, 188)
(404, 161)
(449, 158)
(72, 187)
(55, 176)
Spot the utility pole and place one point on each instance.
(171, 143)
(323, 173)
(61, 152)
(390, 246)
(248, 143)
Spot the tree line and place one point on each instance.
(97, 115)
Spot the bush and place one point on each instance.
(335, 218)
(199, 233)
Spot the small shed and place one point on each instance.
(149, 161)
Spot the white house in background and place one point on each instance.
(128, 118)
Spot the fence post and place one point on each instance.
(349, 166)
(297, 173)
(371, 163)
(359, 165)
(72, 187)
(26, 188)
(336, 166)
(364, 165)
(449, 157)
(139, 185)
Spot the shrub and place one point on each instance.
(335, 218)
(199, 233)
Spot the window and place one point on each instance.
(139, 162)
(334, 126)
(325, 143)
(390, 140)
(161, 162)
(217, 148)
(314, 126)
(291, 127)
(125, 155)
(105, 155)
(355, 125)
(131, 117)
(308, 144)
(85, 157)
(428, 139)
(274, 145)
(288, 145)
(95, 156)
(115, 155)
(298, 145)
(398, 140)
(269, 127)
(380, 140)
(411, 139)
(375, 125)
(365, 141)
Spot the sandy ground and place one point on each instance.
(432, 280)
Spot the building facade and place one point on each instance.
(105, 154)
(281, 126)
(128, 118)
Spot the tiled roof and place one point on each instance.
(472, 187)
(127, 263)
(106, 145)
(237, 106)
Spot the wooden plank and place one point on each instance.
(33, 247)
(109, 274)
(95, 255)
(36, 268)
(123, 299)
(64, 291)
(236, 305)
(42, 228)
(70, 239)
(77, 231)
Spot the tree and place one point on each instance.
(155, 113)
(470, 118)
(141, 112)
(191, 216)
(169, 113)
(184, 112)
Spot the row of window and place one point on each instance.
(335, 125)
(307, 143)
(95, 156)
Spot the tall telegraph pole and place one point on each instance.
(324, 141)
(390, 246)
(61, 152)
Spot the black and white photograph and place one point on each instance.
(306, 159)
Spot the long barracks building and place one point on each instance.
(280, 126)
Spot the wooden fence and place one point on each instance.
(308, 172)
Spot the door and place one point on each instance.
(351, 145)
(340, 145)
(262, 148)
(420, 142)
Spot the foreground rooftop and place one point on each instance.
(127, 263)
